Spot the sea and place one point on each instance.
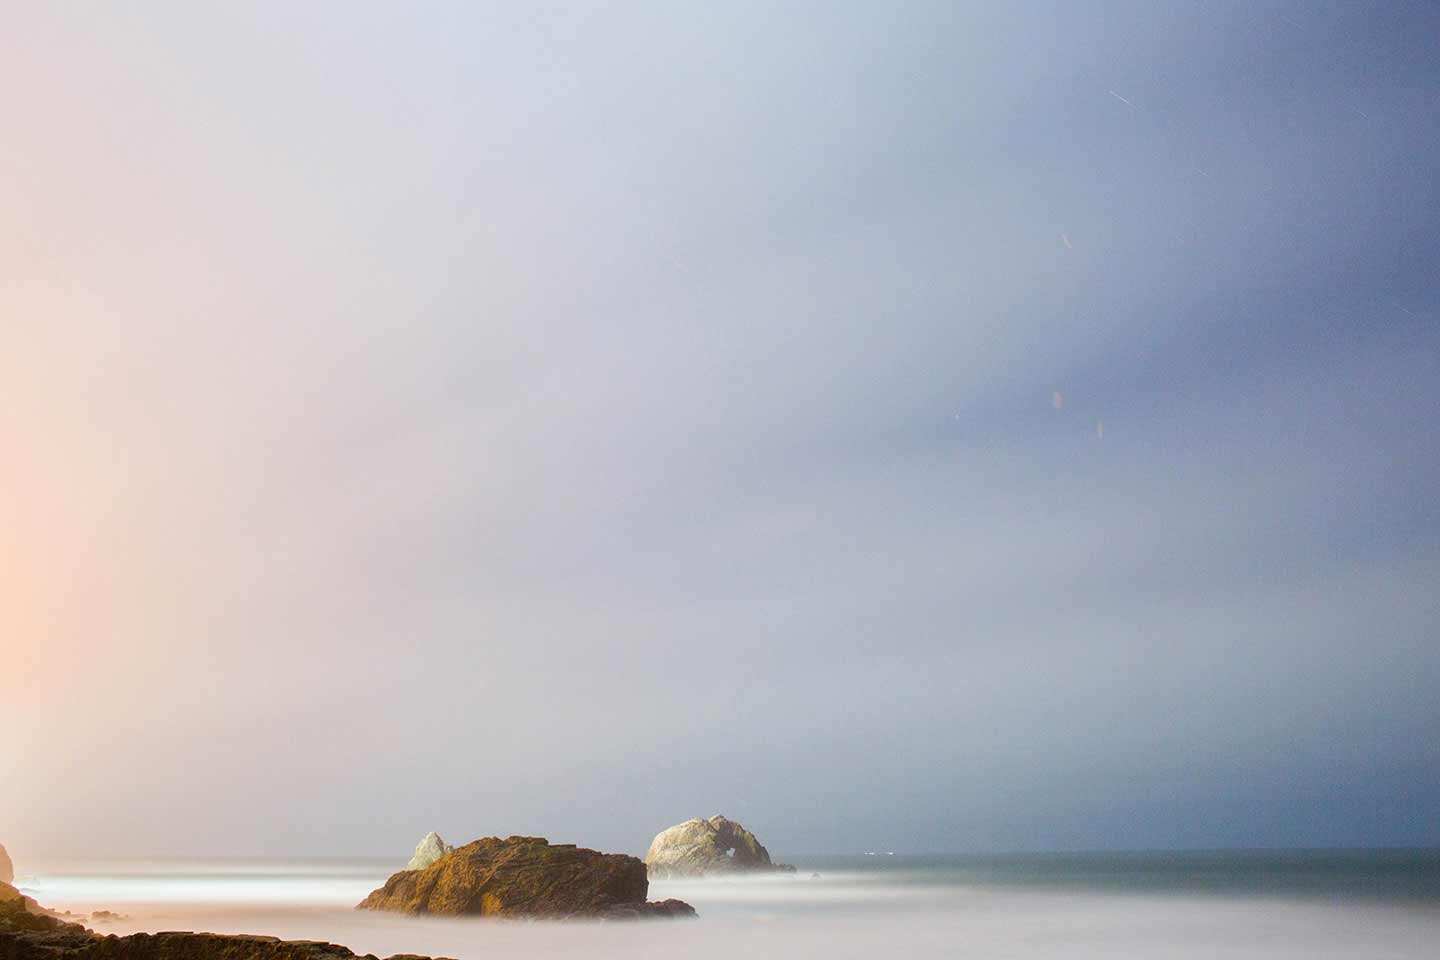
(1312, 904)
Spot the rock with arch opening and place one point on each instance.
(698, 847)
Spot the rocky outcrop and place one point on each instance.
(525, 877)
(699, 847)
(7, 869)
(28, 932)
(428, 850)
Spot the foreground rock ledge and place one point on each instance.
(29, 932)
(698, 847)
(525, 877)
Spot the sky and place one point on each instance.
(922, 427)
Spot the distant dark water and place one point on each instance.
(1402, 876)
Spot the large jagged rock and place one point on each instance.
(525, 877)
(428, 850)
(698, 847)
(29, 932)
(7, 869)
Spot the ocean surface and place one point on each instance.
(1293, 904)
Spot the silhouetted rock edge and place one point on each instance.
(30, 932)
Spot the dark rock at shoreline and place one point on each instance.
(7, 869)
(525, 877)
(698, 847)
(654, 909)
(29, 932)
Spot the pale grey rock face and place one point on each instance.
(697, 847)
(428, 850)
(7, 869)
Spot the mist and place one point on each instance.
(840, 913)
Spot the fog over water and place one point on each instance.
(1355, 906)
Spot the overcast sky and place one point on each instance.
(904, 426)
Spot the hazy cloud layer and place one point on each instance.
(927, 427)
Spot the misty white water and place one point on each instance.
(1369, 907)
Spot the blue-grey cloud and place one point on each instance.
(570, 419)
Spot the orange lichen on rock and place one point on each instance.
(526, 877)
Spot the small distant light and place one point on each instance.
(1058, 399)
